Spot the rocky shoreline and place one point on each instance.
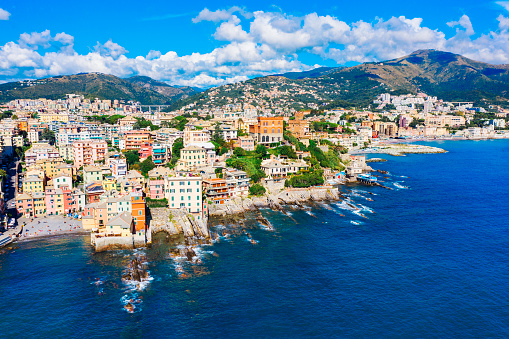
(399, 150)
(275, 201)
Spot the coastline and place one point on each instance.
(288, 196)
(399, 150)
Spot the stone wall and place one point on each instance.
(115, 243)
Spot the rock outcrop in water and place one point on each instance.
(175, 221)
(135, 272)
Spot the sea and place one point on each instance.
(427, 258)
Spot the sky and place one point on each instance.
(210, 43)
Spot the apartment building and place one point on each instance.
(135, 139)
(88, 152)
(40, 151)
(33, 184)
(216, 190)
(66, 152)
(246, 143)
(195, 136)
(160, 154)
(138, 210)
(185, 192)
(192, 157)
(118, 167)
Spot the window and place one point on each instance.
(139, 212)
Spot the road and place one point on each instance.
(12, 186)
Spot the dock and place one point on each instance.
(367, 179)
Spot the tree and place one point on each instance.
(177, 146)
(257, 189)
(288, 151)
(217, 136)
(3, 174)
(147, 165)
(240, 152)
(143, 123)
(219, 172)
(261, 150)
(48, 135)
(14, 117)
(132, 157)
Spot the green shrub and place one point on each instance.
(257, 189)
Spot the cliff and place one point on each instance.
(175, 221)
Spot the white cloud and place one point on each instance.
(504, 4)
(110, 48)
(254, 44)
(220, 14)
(464, 22)
(4, 15)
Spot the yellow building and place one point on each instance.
(39, 204)
(109, 184)
(64, 169)
(33, 184)
(49, 117)
(36, 171)
(50, 166)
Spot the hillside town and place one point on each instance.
(104, 164)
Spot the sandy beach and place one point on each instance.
(48, 226)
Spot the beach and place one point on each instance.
(48, 226)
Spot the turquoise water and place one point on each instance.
(429, 259)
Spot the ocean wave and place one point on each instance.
(398, 185)
(366, 209)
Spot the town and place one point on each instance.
(101, 166)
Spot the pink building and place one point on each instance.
(145, 150)
(25, 205)
(87, 152)
(156, 189)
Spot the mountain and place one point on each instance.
(94, 85)
(162, 88)
(314, 73)
(446, 75)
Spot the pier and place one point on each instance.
(367, 179)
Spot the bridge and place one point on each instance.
(157, 107)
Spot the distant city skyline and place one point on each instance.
(202, 44)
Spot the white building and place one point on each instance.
(184, 192)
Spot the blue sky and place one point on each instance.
(203, 43)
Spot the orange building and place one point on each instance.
(268, 130)
(23, 125)
(138, 211)
(135, 139)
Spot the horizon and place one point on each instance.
(223, 44)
